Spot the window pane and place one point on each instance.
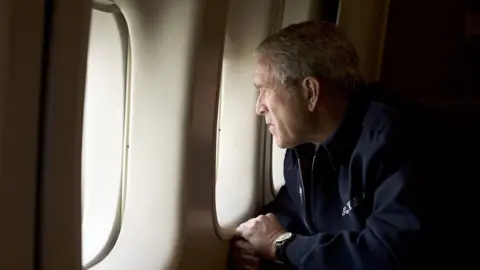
(277, 167)
(236, 188)
(103, 129)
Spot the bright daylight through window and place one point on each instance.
(103, 146)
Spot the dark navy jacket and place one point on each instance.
(358, 200)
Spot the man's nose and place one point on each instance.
(260, 108)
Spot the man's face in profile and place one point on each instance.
(284, 109)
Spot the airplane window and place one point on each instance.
(103, 146)
(242, 154)
(237, 185)
(277, 167)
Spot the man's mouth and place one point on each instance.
(270, 128)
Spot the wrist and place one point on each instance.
(273, 251)
(279, 244)
(272, 255)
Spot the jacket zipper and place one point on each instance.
(302, 196)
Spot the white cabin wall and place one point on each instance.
(297, 11)
(201, 247)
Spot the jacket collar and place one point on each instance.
(340, 144)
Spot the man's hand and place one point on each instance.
(261, 232)
(244, 256)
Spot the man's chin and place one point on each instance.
(283, 144)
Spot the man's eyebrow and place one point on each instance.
(259, 85)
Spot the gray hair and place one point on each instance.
(312, 48)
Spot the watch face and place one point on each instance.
(284, 236)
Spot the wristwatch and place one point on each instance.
(280, 243)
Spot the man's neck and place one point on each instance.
(330, 118)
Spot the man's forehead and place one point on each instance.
(261, 80)
(262, 75)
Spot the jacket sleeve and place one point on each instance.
(282, 205)
(392, 236)
(282, 208)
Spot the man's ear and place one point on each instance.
(311, 88)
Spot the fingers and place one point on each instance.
(259, 224)
(244, 256)
(248, 228)
(246, 261)
(249, 259)
(244, 246)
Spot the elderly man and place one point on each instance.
(353, 192)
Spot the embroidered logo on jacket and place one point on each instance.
(351, 204)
